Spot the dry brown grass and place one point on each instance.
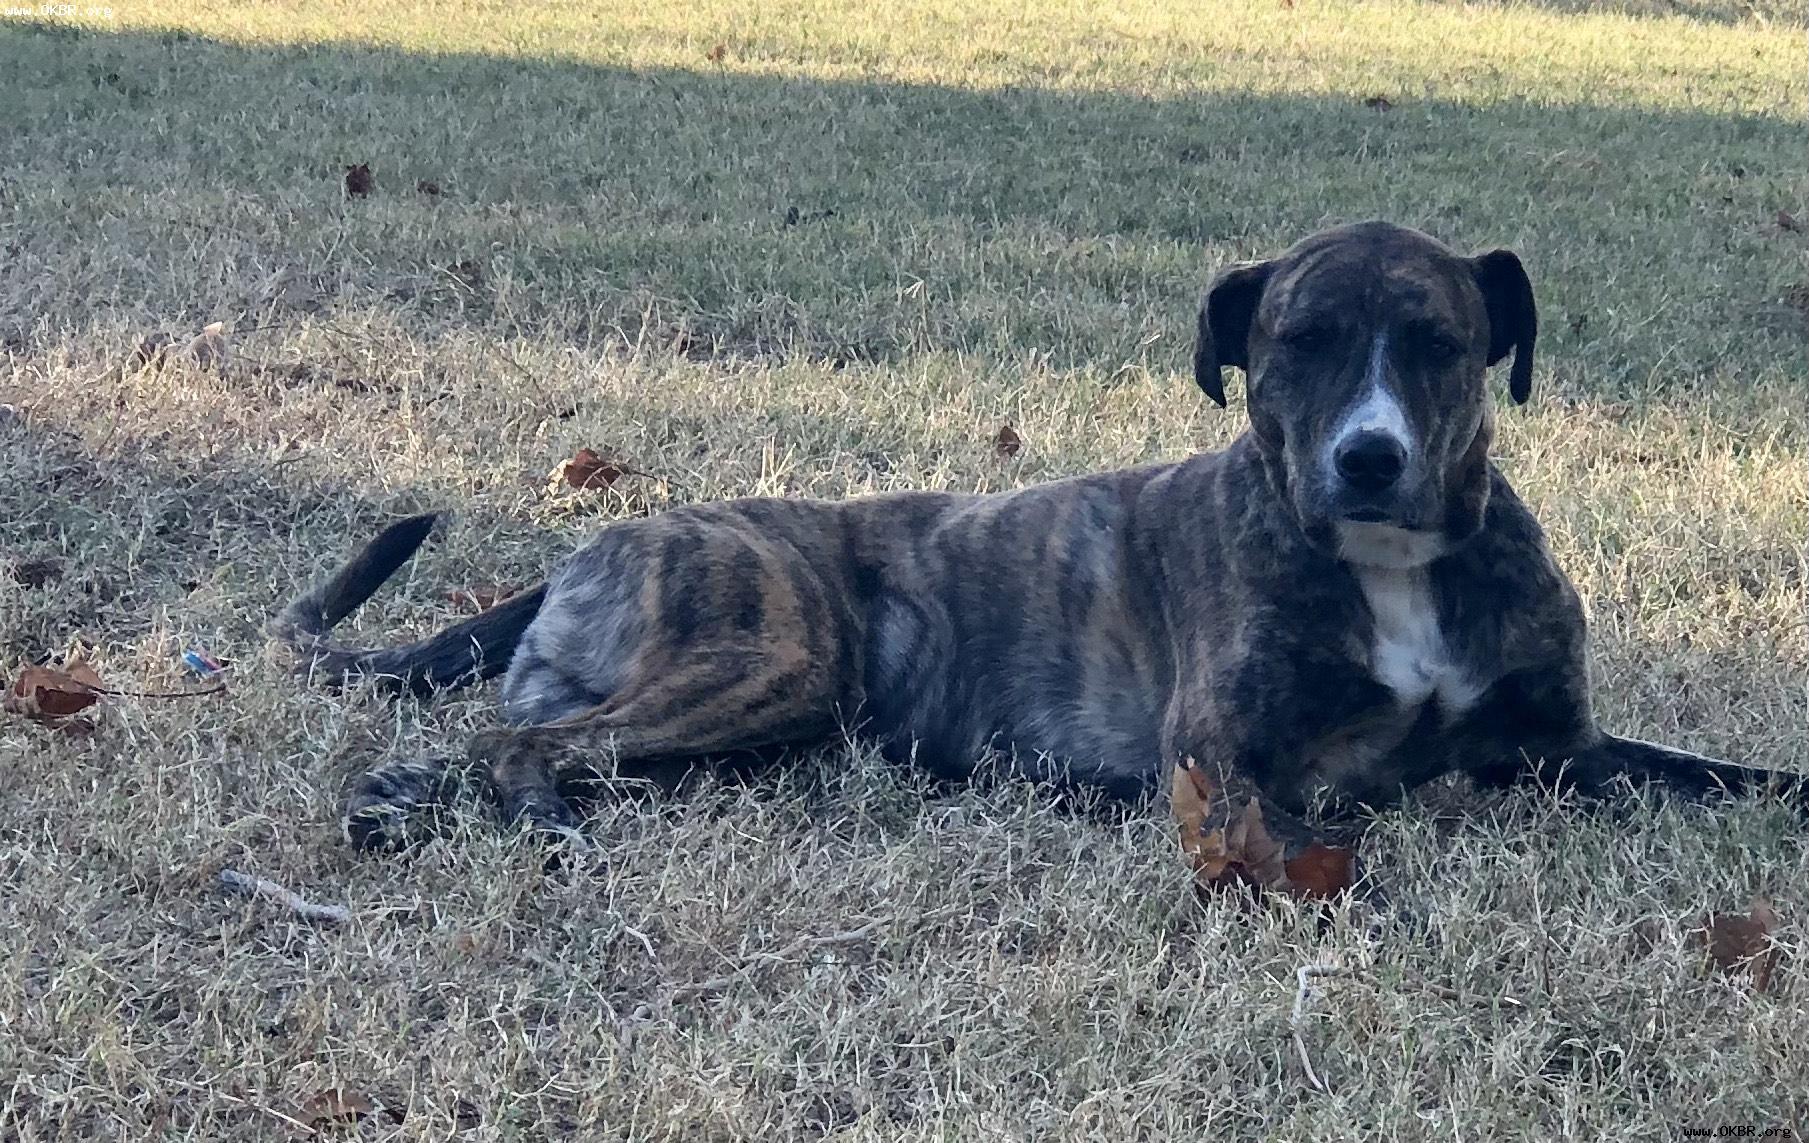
(1025, 206)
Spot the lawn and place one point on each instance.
(797, 248)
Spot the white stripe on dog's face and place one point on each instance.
(1378, 410)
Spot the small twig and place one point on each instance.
(1302, 993)
(260, 887)
(202, 692)
(1446, 992)
(270, 1111)
(684, 992)
(646, 942)
(240, 331)
(718, 983)
(848, 937)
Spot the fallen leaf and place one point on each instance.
(358, 181)
(208, 349)
(335, 1107)
(151, 350)
(1321, 871)
(428, 187)
(1244, 852)
(587, 469)
(1379, 103)
(1254, 855)
(1007, 443)
(1787, 221)
(1734, 942)
(1797, 298)
(45, 694)
(717, 54)
(37, 573)
(1189, 799)
(481, 597)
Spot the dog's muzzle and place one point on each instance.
(1368, 467)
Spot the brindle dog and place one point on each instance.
(1345, 603)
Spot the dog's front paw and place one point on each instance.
(394, 806)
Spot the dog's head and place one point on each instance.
(1365, 350)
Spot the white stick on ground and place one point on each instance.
(302, 907)
(1303, 992)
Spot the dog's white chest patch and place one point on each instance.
(1408, 654)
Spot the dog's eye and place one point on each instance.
(1440, 349)
(1309, 338)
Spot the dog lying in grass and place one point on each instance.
(1347, 602)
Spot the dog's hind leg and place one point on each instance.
(732, 700)
(723, 699)
(669, 642)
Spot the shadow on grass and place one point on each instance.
(1786, 12)
(152, 177)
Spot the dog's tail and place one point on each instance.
(464, 653)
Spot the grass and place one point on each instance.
(1025, 206)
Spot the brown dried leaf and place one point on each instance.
(1244, 852)
(1189, 800)
(1788, 222)
(335, 1107)
(427, 187)
(588, 469)
(1379, 103)
(358, 181)
(45, 694)
(1734, 942)
(717, 54)
(1797, 298)
(37, 573)
(151, 351)
(466, 944)
(1255, 855)
(1321, 871)
(208, 348)
(1007, 443)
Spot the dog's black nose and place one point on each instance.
(1370, 461)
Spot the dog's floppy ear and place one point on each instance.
(1225, 316)
(1513, 316)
